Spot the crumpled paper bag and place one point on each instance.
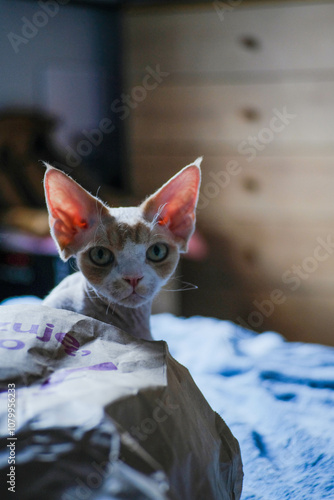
(102, 415)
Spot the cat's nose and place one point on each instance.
(133, 280)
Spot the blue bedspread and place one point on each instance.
(277, 397)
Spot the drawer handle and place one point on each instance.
(250, 42)
(251, 114)
(251, 184)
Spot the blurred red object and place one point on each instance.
(198, 248)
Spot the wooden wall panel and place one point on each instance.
(281, 188)
(218, 114)
(264, 222)
(196, 43)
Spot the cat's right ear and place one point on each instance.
(73, 212)
(174, 204)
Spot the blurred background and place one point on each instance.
(123, 94)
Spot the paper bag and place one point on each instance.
(89, 412)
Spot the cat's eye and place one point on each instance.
(157, 252)
(101, 256)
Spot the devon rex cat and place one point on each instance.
(124, 255)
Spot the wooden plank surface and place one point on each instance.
(192, 43)
(299, 317)
(269, 224)
(303, 319)
(220, 114)
(278, 186)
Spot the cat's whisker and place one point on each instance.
(73, 265)
(107, 310)
(190, 286)
(98, 241)
(157, 215)
(97, 296)
(175, 278)
(94, 294)
(180, 289)
(160, 235)
(97, 192)
(100, 226)
(113, 309)
(91, 296)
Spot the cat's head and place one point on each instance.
(126, 254)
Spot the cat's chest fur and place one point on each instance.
(75, 294)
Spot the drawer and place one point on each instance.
(193, 43)
(216, 115)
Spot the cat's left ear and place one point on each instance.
(174, 204)
(73, 212)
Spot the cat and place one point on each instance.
(124, 255)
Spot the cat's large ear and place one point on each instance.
(174, 204)
(73, 212)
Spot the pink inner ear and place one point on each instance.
(176, 214)
(176, 201)
(70, 207)
(180, 196)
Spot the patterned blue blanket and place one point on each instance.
(277, 398)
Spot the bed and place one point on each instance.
(276, 397)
